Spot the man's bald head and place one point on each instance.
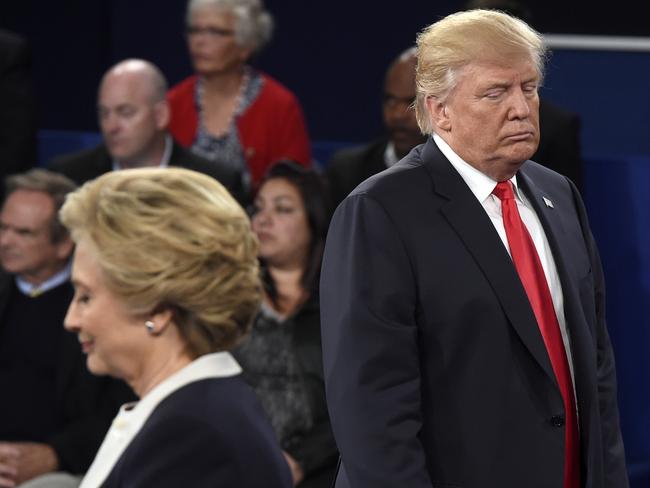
(143, 74)
(133, 112)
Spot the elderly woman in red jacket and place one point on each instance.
(229, 111)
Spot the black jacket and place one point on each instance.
(85, 403)
(88, 164)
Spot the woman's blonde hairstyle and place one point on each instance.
(457, 40)
(171, 238)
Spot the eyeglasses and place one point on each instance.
(210, 32)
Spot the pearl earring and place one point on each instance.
(150, 326)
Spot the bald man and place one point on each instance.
(133, 116)
(349, 167)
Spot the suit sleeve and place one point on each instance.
(370, 348)
(612, 441)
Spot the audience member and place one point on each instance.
(463, 305)
(559, 143)
(228, 111)
(281, 358)
(133, 116)
(349, 167)
(17, 106)
(166, 281)
(54, 414)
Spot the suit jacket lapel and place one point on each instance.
(468, 218)
(581, 342)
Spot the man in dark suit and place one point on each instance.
(351, 166)
(462, 296)
(17, 106)
(133, 116)
(54, 414)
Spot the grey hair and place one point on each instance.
(254, 24)
(55, 185)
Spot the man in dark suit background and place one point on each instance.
(54, 413)
(462, 296)
(17, 106)
(350, 166)
(133, 116)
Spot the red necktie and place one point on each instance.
(531, 273)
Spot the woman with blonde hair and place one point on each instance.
(166, 281)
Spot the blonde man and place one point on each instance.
(464, 338)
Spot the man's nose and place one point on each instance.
(110, 123)
(520, 104)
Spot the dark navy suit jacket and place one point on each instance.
(210, 433)
(435, 368)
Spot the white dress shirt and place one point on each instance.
(482, 186)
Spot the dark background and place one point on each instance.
(333, 55)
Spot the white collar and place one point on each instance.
(390, 156)
(164, 161)
(480, 183)
(31, 290)
(133, 416)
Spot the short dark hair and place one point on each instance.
(53, 184)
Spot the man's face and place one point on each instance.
(130, 120)
(399, 117)
(26, 248)
(491, 117)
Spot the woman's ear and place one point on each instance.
(161, 318)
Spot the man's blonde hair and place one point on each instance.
(459, 39)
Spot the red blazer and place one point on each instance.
(271, 128)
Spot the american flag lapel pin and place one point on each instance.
(548, 202)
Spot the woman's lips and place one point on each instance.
(86, 345)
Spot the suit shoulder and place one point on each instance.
(398, 181)
(78, 158)
(185, 400)
(344, 158)
(538, 171)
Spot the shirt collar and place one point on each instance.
(479, 183)
(31, 290)
(164, 161)
(390, 156)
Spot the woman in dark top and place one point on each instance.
(281, 358)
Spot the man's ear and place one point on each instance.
(438, 113)
(162, 112)
(64, 248)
